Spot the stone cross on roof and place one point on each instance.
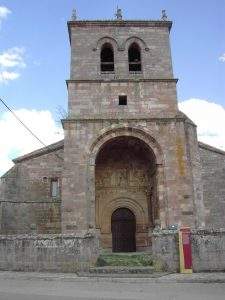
(118, 14)
(164, 15)
(74, 15)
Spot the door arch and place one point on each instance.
(123, 226)
(125, 168)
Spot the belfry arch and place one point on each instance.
(127, 170)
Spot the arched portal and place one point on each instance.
(125, 177)
(123, 230)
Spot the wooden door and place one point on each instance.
(123, 230)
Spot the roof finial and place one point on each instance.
(118, 14)
(164, 15)
(74, 15)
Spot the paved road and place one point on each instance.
(42, 289)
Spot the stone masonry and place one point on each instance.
(26, 202)
(213, 179)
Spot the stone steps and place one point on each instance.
(121, 270)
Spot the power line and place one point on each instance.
(27, 128)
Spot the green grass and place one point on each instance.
(128, 260)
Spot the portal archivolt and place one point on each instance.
(125, 168)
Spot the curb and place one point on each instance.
(156, 278)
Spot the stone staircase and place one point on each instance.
(117, 270)
(135, 264)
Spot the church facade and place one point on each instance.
(130, 161)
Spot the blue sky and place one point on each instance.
(36, 32)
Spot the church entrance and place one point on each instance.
(123, 230)
(125, 194)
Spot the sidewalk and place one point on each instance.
(213, 277)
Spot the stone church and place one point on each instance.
(130, 161)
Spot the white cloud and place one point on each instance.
(222, 57)
(6, 76)
(11, 61)
(209, 118)
(12, 58)
(16, 140)
(4, 12)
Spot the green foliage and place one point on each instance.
(127, 260)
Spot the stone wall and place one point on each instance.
(165, 249)
(25, 217)
(208, 249)
(26, 202)
(213, 178)
(56, 253)
(71, 253)
(100, 99)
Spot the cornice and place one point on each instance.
(118, 23)
(210, 148)
(121, 80)
(45, 150)
(122, 119)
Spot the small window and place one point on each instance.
(54, 188)
(45, 179)
(107, 58)
(134, 56)
(122, 100)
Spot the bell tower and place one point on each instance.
(121, 58)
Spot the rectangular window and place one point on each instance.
(54, 188)
(122, 100)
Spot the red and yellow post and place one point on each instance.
(185, 250)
